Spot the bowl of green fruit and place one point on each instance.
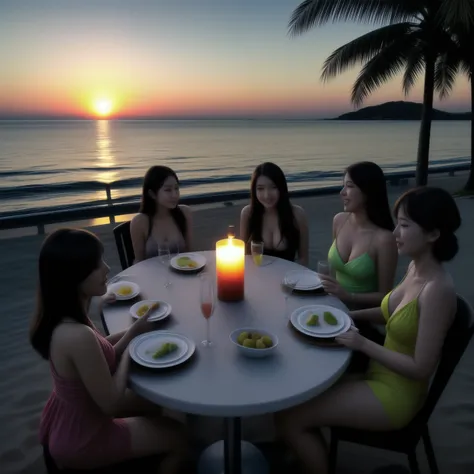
(254, 342)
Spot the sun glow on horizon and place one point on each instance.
(103, 107)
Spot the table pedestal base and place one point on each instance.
(252, 460)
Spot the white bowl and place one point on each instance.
(250, 351)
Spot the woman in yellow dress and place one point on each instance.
(418, 314)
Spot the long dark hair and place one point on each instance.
(67, 258)
(369, 178)
(153, 181)
(433, 209)
(286, 217)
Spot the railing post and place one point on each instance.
(109, 202)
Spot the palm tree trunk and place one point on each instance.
(425, 127)
(469, 186)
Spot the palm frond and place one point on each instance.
(467, 68)
(314, 13)
(446, 69)
(414, 68)
(381, 68)
(363, 49)
(458, 13)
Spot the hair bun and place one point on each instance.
(446, 247)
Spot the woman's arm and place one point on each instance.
(138, 233)
(387, 258)
(189, 227)
(302, 222)
(114, 338)
(244, 223)
(105, 389)
(437, 308)
(373, 315)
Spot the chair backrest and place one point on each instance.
(455, 343)
(123, 241)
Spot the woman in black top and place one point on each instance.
(272, 219)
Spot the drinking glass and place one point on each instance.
(164, 259)
(289, 286)
(256, 249)
(324, 268)
(208, 303)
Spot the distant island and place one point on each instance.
(399, 111)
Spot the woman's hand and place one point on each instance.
(332, 287)
(351, 339)
(141, 325)
(108, 298)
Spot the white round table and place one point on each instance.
(219, 381)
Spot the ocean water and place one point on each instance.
(67, 163)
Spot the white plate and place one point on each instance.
(142, 347)
(162, 312)
(306, 280)
(114, 287)
(298, 319)
(197, 258)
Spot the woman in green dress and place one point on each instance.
(363, 256)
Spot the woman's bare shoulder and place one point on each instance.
(298, 210)
(139, 220)
(72, 335)
(384, 238)
(186, 209)
(245, 211)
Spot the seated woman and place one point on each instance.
(272, 219)
(161, 220)
(82, 424)
(418, 314)
(363, 254)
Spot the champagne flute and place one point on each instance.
(324, 268)
(289, 286)
(164, 259)
(256, 249)
(208, 303)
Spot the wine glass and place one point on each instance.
(289, 286)
(324, 268)
(256, 249)
(208, 303)
(164, 259)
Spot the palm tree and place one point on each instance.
(459, 21)
(410, 40)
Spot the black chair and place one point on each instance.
(146, 465)
(406, 439)
(123, 241)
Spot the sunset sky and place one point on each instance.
(174, 58)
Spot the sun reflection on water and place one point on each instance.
(105, 158)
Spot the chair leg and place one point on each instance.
(412, 461)
(430, 454)
(332, 461)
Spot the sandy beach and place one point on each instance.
(25, 381)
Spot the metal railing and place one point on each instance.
(110, 209)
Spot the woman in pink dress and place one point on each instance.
(83, 423)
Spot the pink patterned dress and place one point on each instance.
(74, 428)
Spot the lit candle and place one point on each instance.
(230, 268)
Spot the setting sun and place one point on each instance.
(103, 107)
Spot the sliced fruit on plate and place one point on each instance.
(165, 349)
(330, 318)
(125, 290)
(313, 320)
